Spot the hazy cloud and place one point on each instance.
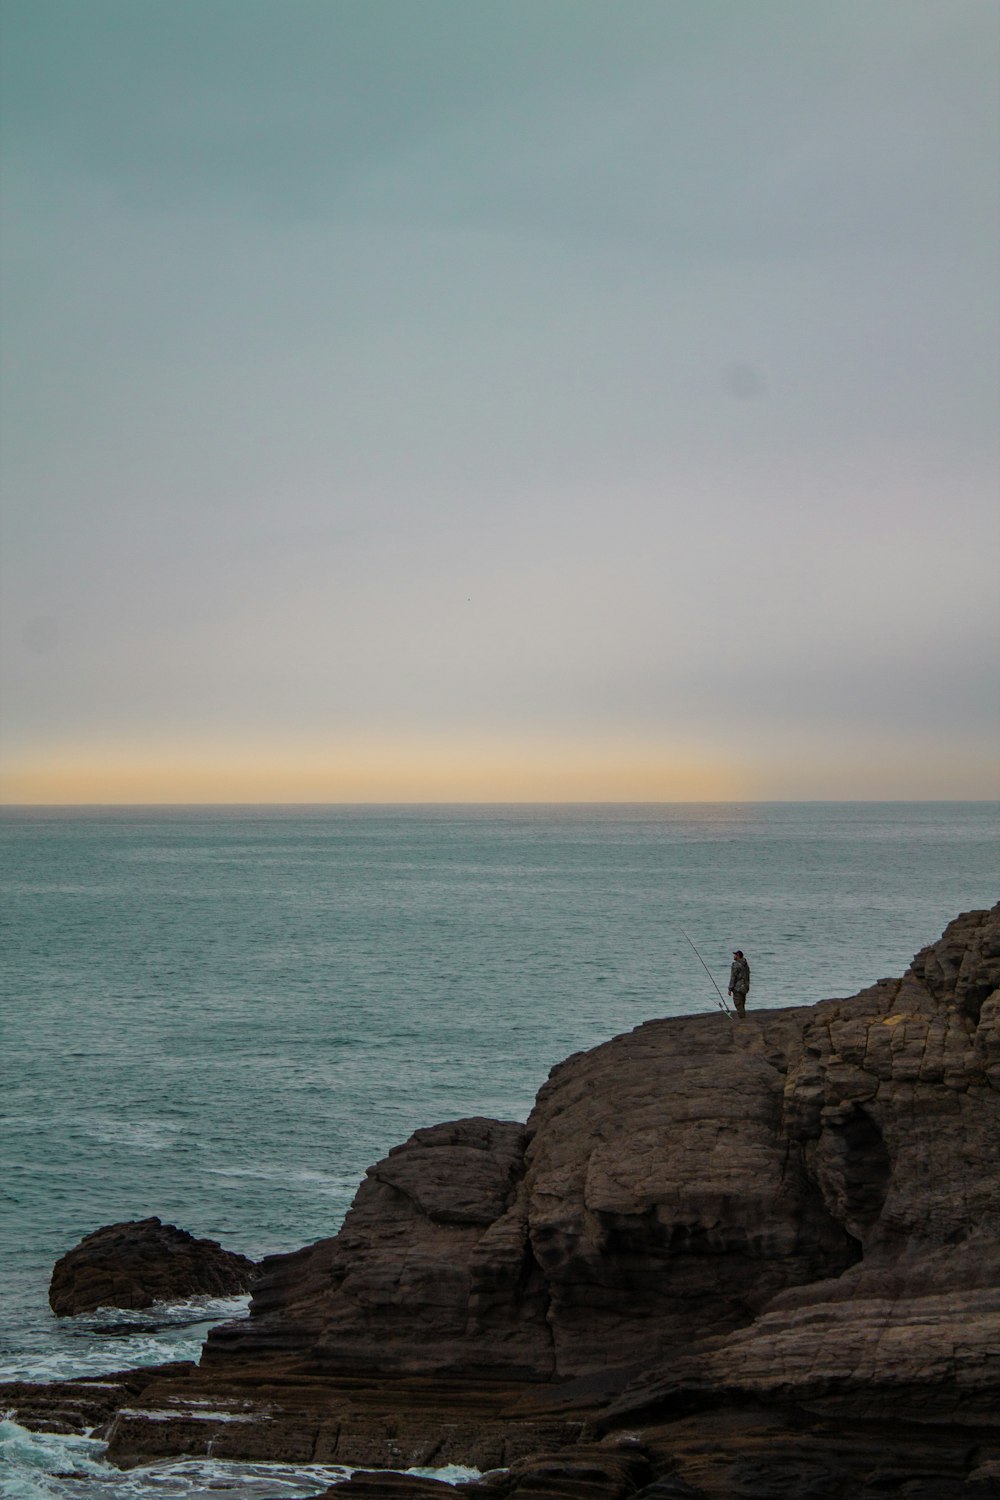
(549, 369)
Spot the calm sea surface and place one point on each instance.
(224, 1015)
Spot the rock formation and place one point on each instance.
(144, 1261)
(721, 1259)
(669, 1187)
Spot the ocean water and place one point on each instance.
(224, 1015)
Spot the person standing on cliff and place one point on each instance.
(739, 981)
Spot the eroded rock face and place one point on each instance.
(668, 1186)
(767, 1252)
(432, 1269)
(141, 1262)
(661, 1198)
(651, 1197)
(672, 1185)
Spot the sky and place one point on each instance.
(499, 400)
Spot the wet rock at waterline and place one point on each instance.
(136, 1264)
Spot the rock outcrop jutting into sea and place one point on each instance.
(721, 1259)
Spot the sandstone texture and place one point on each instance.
(822, 1178)
(721, 1259)
(136, 1264)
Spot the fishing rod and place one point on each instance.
(708, 971)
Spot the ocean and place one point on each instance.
(224, 1015)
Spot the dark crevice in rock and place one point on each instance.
(827, 1242)
(867, 1168)
(853, 1168)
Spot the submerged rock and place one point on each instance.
(141, 1262)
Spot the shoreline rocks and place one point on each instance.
(753, 1259)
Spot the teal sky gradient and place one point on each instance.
(559, 373)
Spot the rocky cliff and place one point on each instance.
(726, 1239)
(672, 1185)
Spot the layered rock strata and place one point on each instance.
(673, 1184)
(764, 1256)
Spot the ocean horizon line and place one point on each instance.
(540, 802)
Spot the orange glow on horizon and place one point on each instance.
(374, 773)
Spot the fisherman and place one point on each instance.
(739, 981)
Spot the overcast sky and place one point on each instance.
(498, 399)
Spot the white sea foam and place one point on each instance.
(196, 1401)
(161, 1414)
(114, 1338)
(40, 1465)
(141, 1135)
(50, 1466)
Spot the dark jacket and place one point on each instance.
(739, 976)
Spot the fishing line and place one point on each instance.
(708, 971)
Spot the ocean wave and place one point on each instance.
(51, 1466)
(142, 1135)
(114, 1338)
(43, 1465)
(326, 1183)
